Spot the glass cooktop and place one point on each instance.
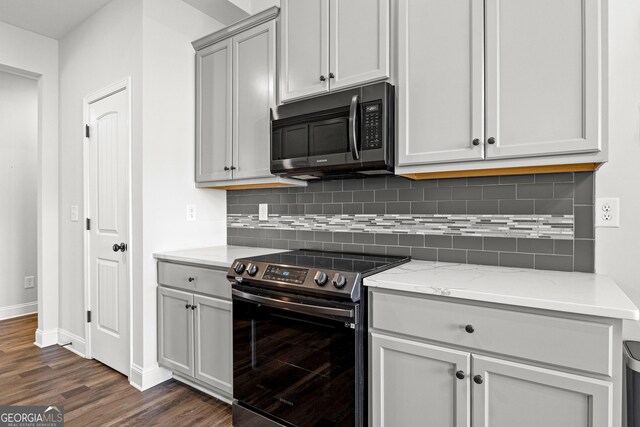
(365, 264)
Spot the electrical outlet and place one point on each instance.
(263, 212)
(607, 212)
(29, 282)
(73, 213)
(191, 212)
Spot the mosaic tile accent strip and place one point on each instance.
(527, 226)
(549, 219)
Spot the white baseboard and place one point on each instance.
(220, 396)
(145, 378)
(18, 310)
(46, 338)
(78, 345)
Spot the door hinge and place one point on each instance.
(88, 224)
(86, 131)
(88, 316)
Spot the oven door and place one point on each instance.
(295, 362)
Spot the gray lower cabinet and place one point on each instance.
(454, 364)
(527, 396)
(175, 330)
(213, 346)
(414, 382)
(195, 326)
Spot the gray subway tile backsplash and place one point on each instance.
(525, 221)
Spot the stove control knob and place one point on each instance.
(252, 269)
(339, 281)
(238, 268)
(320, 278)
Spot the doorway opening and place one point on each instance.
(19, 194)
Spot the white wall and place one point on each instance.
(169, 27)
(104, 49)
(149, 40)
(618, 249)
(18, 192)
(36, 55)
(260, 5)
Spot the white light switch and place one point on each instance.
(263, 212)
(73, 213)
(191, 212)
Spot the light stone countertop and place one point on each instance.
(581, 293)
(216, 256)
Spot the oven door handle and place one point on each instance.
(353, 140)
(293, 306)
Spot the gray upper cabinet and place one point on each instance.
(511, 394)
(414, 382)
(235, 91)
(440, 81)
(213, 112)
(213, 345)
(175, 330)
(543, 77)
(254, 76)
(509, 81)
(304, 48)
(330, 44)
(358, 42)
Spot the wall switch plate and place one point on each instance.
(191, 212)
(263, 212)
(29, 282)
(607, 212)
(73, 213)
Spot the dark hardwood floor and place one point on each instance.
(92, 393)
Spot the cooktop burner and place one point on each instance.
(335, 275)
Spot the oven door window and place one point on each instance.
(295, 367)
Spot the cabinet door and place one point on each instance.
(513, 394)
(213, 112)
(543, 77)
(358, 42)
(440, 81)
(254, 74)
(415, 384)
(304, 48)
(213, 346)
(175, 330)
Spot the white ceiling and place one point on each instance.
(51, 18)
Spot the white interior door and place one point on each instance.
(108, 211)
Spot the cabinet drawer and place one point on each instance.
(571, 343)
(205, 280)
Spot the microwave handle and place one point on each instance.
(353, 140)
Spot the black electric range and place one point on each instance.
(299, 337)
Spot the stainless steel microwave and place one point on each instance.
(338, 134)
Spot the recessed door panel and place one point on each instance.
(108, 170)
(108, 289)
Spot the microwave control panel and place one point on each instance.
(372, 126)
